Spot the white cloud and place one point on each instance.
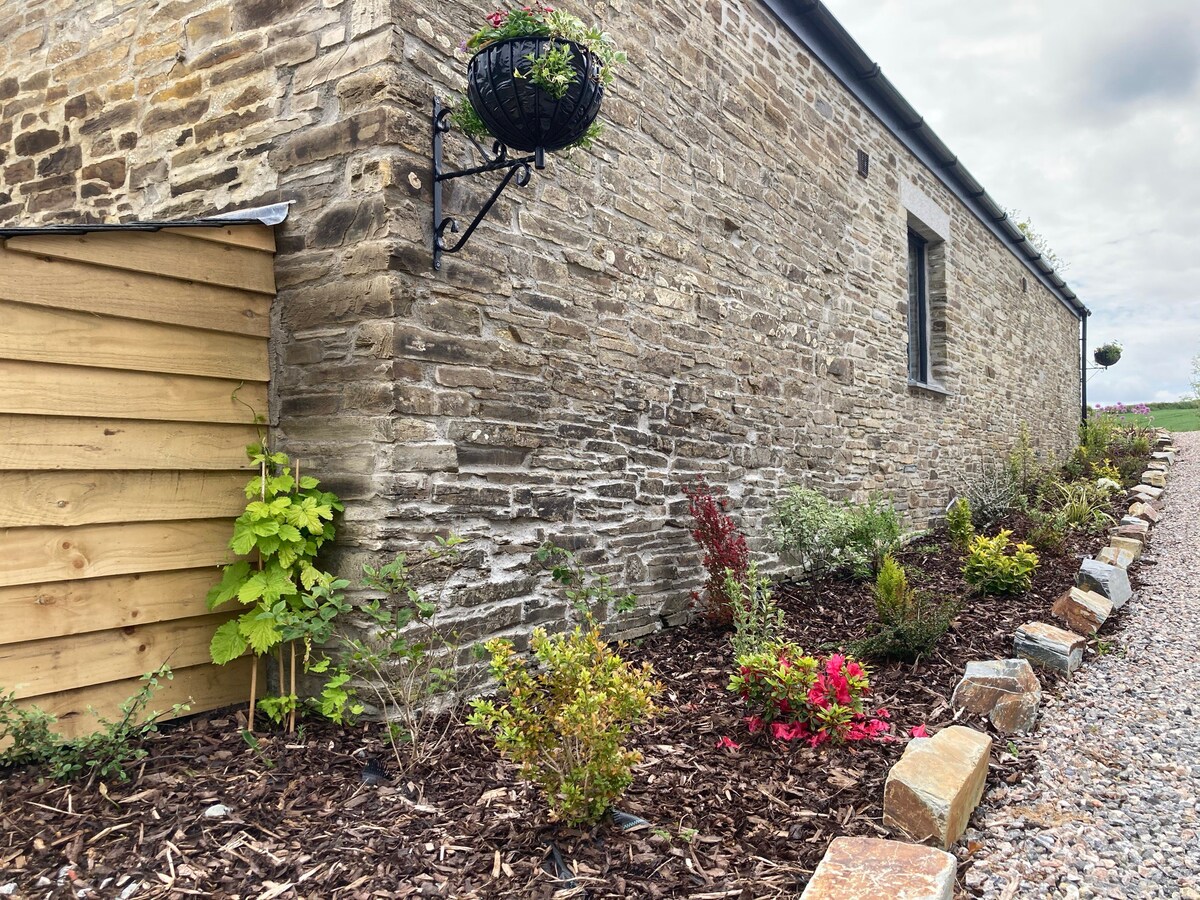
(1084, 115)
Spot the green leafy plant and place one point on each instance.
(289, 600)
(825, 536)
(1048, 532)
(104, 753)
(992, 568)
(1082, 506)
(568, 713)
(959, 524)
(757, 618)
(992, 495)
(407, 660)
(909, 625)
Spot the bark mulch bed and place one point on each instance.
(747, 823)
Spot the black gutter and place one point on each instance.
(816, 28)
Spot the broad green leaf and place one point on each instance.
(253, 589)
(307, 483)
(260, 631)
(231, 582)
(265, 527)
(227, 643)
(243, 539)
(277, 584)
(290, 533)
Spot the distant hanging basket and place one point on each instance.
(1107, 355)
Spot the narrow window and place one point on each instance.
(918, 310)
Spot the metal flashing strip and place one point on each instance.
(262, 215)
(814, 26)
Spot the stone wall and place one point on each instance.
(712, 290)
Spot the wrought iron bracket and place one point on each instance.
(518, 170)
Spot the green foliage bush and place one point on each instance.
(105, 753)
(568, 713)
(824, 536)
(1048, 533)
(959, 524)
(909, 625)
(757, 618)
(992, 495)
(1081, 505)
(994, 570)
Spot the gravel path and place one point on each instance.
(1115, 808)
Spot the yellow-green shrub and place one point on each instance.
(992, 569)
(958, 524)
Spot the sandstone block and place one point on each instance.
(1049, 646)
(1154, 478)
(1139, 532)
(1145, 512)
(1114, 557)
(1130, 545)
(1148, 490)
(1141, 524)
(869, 869)
(1083, 611)
(932, 790)
(1005, 690)
(1158, 465)
(1111, 581)
(1165, 455)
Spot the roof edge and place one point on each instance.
(261, 215)
(814, 26)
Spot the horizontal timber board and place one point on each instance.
(93, 498)
(159, 253)
(34, 668)
(206, 686)
(256, 237)
(32, 388)
(49, 442)
(35, 555)
(71, 337)
(61, 608)
(62, 284)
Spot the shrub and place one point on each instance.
(757, 619)
(568, 713)
(1048, 532)
(795, 697)
(106, 752)
(407, 660)
(959, 525)
(909, 626)
(992, 495)
(724, 548)
(872, 531)
(992, 569)
(825, 536)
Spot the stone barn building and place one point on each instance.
(720, 287)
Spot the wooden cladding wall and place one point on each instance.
(131, 366)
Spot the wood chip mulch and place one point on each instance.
(748, 823)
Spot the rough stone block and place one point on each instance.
(1145, 512)
(1083, 611)
(1165, 455)
(932, 790)
(869, 869)
(1005, 690)
(1049, 646)
(1130, 545)
(1141, 524)
(1111, 581)
(1147, 490)
(1158, 465)
(1114, 557)
(1154, 478)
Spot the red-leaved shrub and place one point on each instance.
(724, 548)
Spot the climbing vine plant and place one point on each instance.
(287, 599)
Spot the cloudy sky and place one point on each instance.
(1084, 115)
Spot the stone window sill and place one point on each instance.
(928, 387)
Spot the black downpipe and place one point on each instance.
(1083, 370)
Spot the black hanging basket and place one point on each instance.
(1106, 356)
(520, 114)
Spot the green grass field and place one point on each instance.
(1176, 417)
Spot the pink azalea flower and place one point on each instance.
(727, 743)
(920, 731)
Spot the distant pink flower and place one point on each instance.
(920, 731)
(727, 743)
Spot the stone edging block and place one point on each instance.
(1049, 646)
(931, 792)
(872, 869)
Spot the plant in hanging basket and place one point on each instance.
(1107, 354)
(536, 79)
